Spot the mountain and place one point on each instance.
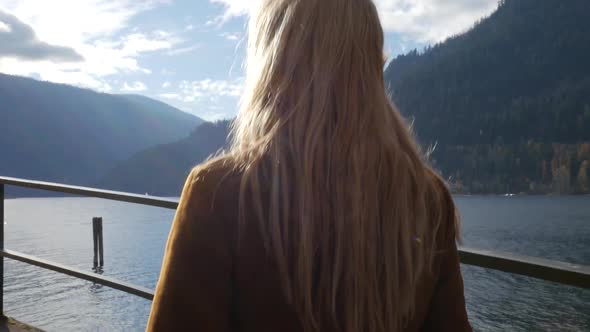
(55, 132)
(507, 103)
(162, 170)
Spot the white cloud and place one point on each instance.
(134, 87)
(419, 20)
(93, 29)
(201, 92)
(183, 50)
(174, 96)
(66, 22)
(230, 36)
(210, 89)
(109, 57)
(19, 40)
(136, 43)
(51, 72)
(235, 8)
(208, 98)
(4, 27)
(432, 20)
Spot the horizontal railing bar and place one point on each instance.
(146, 293)
(92, 192)
(564, 273)
(560, 272)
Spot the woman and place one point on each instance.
(323, 215)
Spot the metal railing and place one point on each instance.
(555, 271)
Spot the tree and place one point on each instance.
(583, 182)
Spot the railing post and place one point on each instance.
(2, 248)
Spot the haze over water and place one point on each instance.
(60, 229)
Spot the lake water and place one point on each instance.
(60, 229)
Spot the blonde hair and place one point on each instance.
(344, 199)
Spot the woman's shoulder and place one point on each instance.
(217, 181)
(216, 172)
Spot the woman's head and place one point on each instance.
(308, 50)
(330, 169)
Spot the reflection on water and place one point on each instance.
(97, 287)
(60, 230)
(98, 269)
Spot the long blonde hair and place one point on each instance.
(344, 199)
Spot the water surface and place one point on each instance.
(60, 229)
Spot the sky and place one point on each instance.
(187, 53)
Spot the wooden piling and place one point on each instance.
(100, 246)
(95, 240)
(98, 241)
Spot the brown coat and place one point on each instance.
(211, 283)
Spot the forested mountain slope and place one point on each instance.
(162, 170)
(507, 103)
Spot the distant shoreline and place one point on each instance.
(456, 194)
